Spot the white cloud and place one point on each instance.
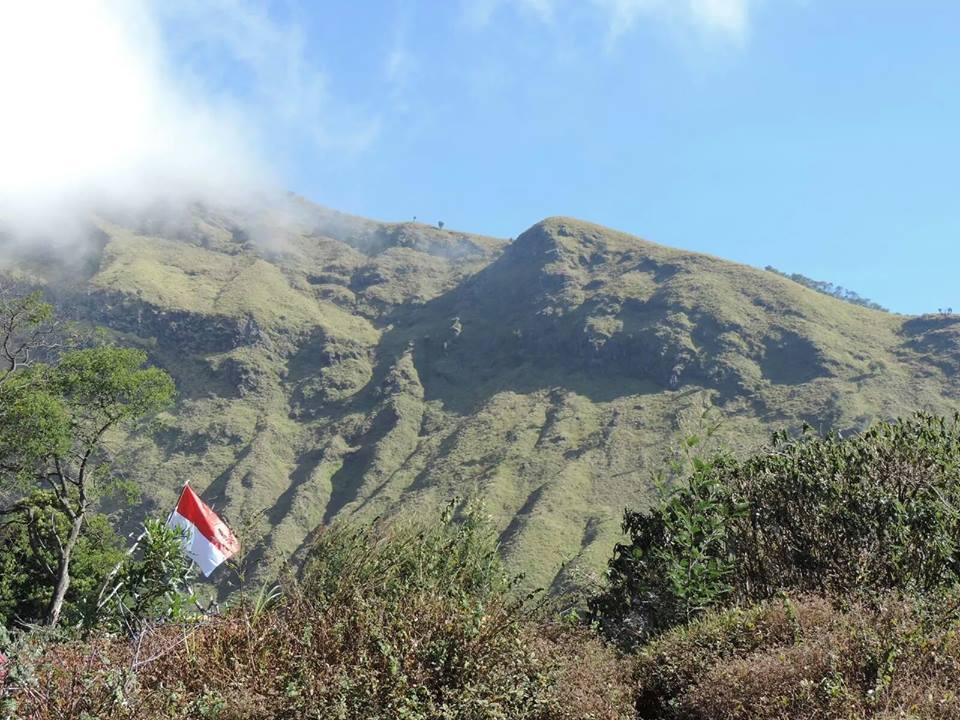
(103, 104)
(726, 18)
(90, 113)
(287, 89)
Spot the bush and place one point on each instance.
(402, 622)
(150, 584)
(456, 557)
(671, 665)
(805, 659)
(838, 516)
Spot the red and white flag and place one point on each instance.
(209, 541)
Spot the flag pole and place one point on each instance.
(186, 484)
(101, 600)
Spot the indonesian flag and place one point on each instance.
(209, 541)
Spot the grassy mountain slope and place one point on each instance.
(331, 366)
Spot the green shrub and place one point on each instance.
(841, 516)
(151, 583)
(456, 557)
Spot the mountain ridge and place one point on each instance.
(332, 367)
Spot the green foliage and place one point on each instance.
(34, 425)
(694, 552)
(875, 511)
(109, 586)
(53, 418)
(454, 558)
(54, 421)
(152, 584)
(843, 516)
(24, 313)
(28, 561)
(110, 384)
(678, 562)
(25, 329)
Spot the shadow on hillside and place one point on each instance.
(466, 378)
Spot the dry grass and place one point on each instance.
(302, 661)
(385, 622)
(804, 660)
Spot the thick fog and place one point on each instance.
(94, 117)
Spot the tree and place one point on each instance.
(26, 327)
(677, 563)
(25, 324)
(828, 288)
(54, 422)
(28, 561)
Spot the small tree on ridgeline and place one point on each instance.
(54, 421)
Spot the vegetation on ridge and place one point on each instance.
(828, 288)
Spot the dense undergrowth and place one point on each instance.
(816, 579)
(398, 623)
(856, 516)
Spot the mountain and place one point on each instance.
(334, 367)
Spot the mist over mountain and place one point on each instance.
(333, 367)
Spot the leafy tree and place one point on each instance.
(109, 586)
(28, 562)
(54, 420)
(828, 288)
(677, 563)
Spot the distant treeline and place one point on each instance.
(828, 288)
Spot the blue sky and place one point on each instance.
(820, 137)
(817, 136)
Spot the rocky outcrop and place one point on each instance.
(192, 332)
